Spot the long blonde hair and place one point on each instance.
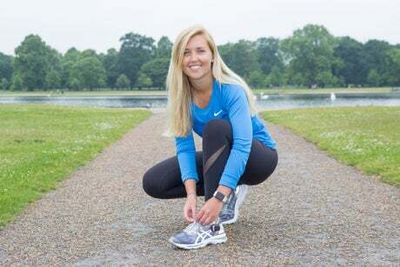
(178, 85)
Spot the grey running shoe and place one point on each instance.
(230, 211)
(196, 235)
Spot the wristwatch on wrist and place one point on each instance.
(221, 197)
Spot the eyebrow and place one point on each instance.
(199, 47)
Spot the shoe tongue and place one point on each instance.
(193, 227)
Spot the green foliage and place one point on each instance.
(134, 52)
(16, 82)
(33, 61)
(156, 70)
(89, 71)
(41, 145)
(240, 57)
(122, 82)
(256, 79)
(53, 80)
(311, 57)
(269, 56)
(110, 62)
(3, 84)
(164, 47)
(143, 81)
(351, 67)
(373, 79)
(6, 68)
(365, 137)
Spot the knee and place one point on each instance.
(149, 185)
(217, 127)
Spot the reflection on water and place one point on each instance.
(264, 101)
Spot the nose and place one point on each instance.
(193, 57)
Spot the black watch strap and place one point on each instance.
(221, 197)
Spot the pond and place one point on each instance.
(264, 101)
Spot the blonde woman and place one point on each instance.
(208, 98)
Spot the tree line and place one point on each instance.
(311, 57)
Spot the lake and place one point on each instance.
(264, 101)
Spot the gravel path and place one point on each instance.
(312, 211)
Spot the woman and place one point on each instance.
(206, 97)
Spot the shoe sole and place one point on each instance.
(212, 240)
(237, 206)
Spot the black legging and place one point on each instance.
(164, 179)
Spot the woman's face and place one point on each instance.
(197, 58)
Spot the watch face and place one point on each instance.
(218, 195)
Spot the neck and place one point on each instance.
(203, 85)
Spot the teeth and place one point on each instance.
(194, 67)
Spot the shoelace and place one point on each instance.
(192, 228)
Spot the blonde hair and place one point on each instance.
(178, 85)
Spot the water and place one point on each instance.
(264, 102)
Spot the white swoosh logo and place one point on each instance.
(217, 113)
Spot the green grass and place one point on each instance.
(365, 137)
(40, 145)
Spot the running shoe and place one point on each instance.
(230, 210)
(196, 235)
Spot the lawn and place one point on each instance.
(40, 145)
(367, 138)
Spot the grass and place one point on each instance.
(163, 92)
(40, 145)
(367, 138)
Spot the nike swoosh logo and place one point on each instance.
(217, 113)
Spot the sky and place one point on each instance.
(99, 24)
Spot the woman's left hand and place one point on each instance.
(210, 211)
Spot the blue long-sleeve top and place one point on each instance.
(227, 102)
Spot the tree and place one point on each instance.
(373, 79)
(33, 60)
(6, 69)
(256, 79)
(134, 52)
(156, 70)
(353, 67)
(241, 57)
(3, 84)
(53, 80)
(268, 54)
(110, 62)
(164, 47)
(394, 61)
(89, 71)
(67, 62)
(377, 57)
(16, 82)
(310, 55)
(122, 82)
(143, 81)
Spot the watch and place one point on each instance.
(221, 197)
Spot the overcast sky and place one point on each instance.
(98, 24)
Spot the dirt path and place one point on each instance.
(312, 211)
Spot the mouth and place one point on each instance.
(194, 67)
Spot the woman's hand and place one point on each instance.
(210, 211)
(189, 210)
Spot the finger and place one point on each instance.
(193, 215)
(200, 215)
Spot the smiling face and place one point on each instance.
(197, 58)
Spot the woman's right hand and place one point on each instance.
(189, 210)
